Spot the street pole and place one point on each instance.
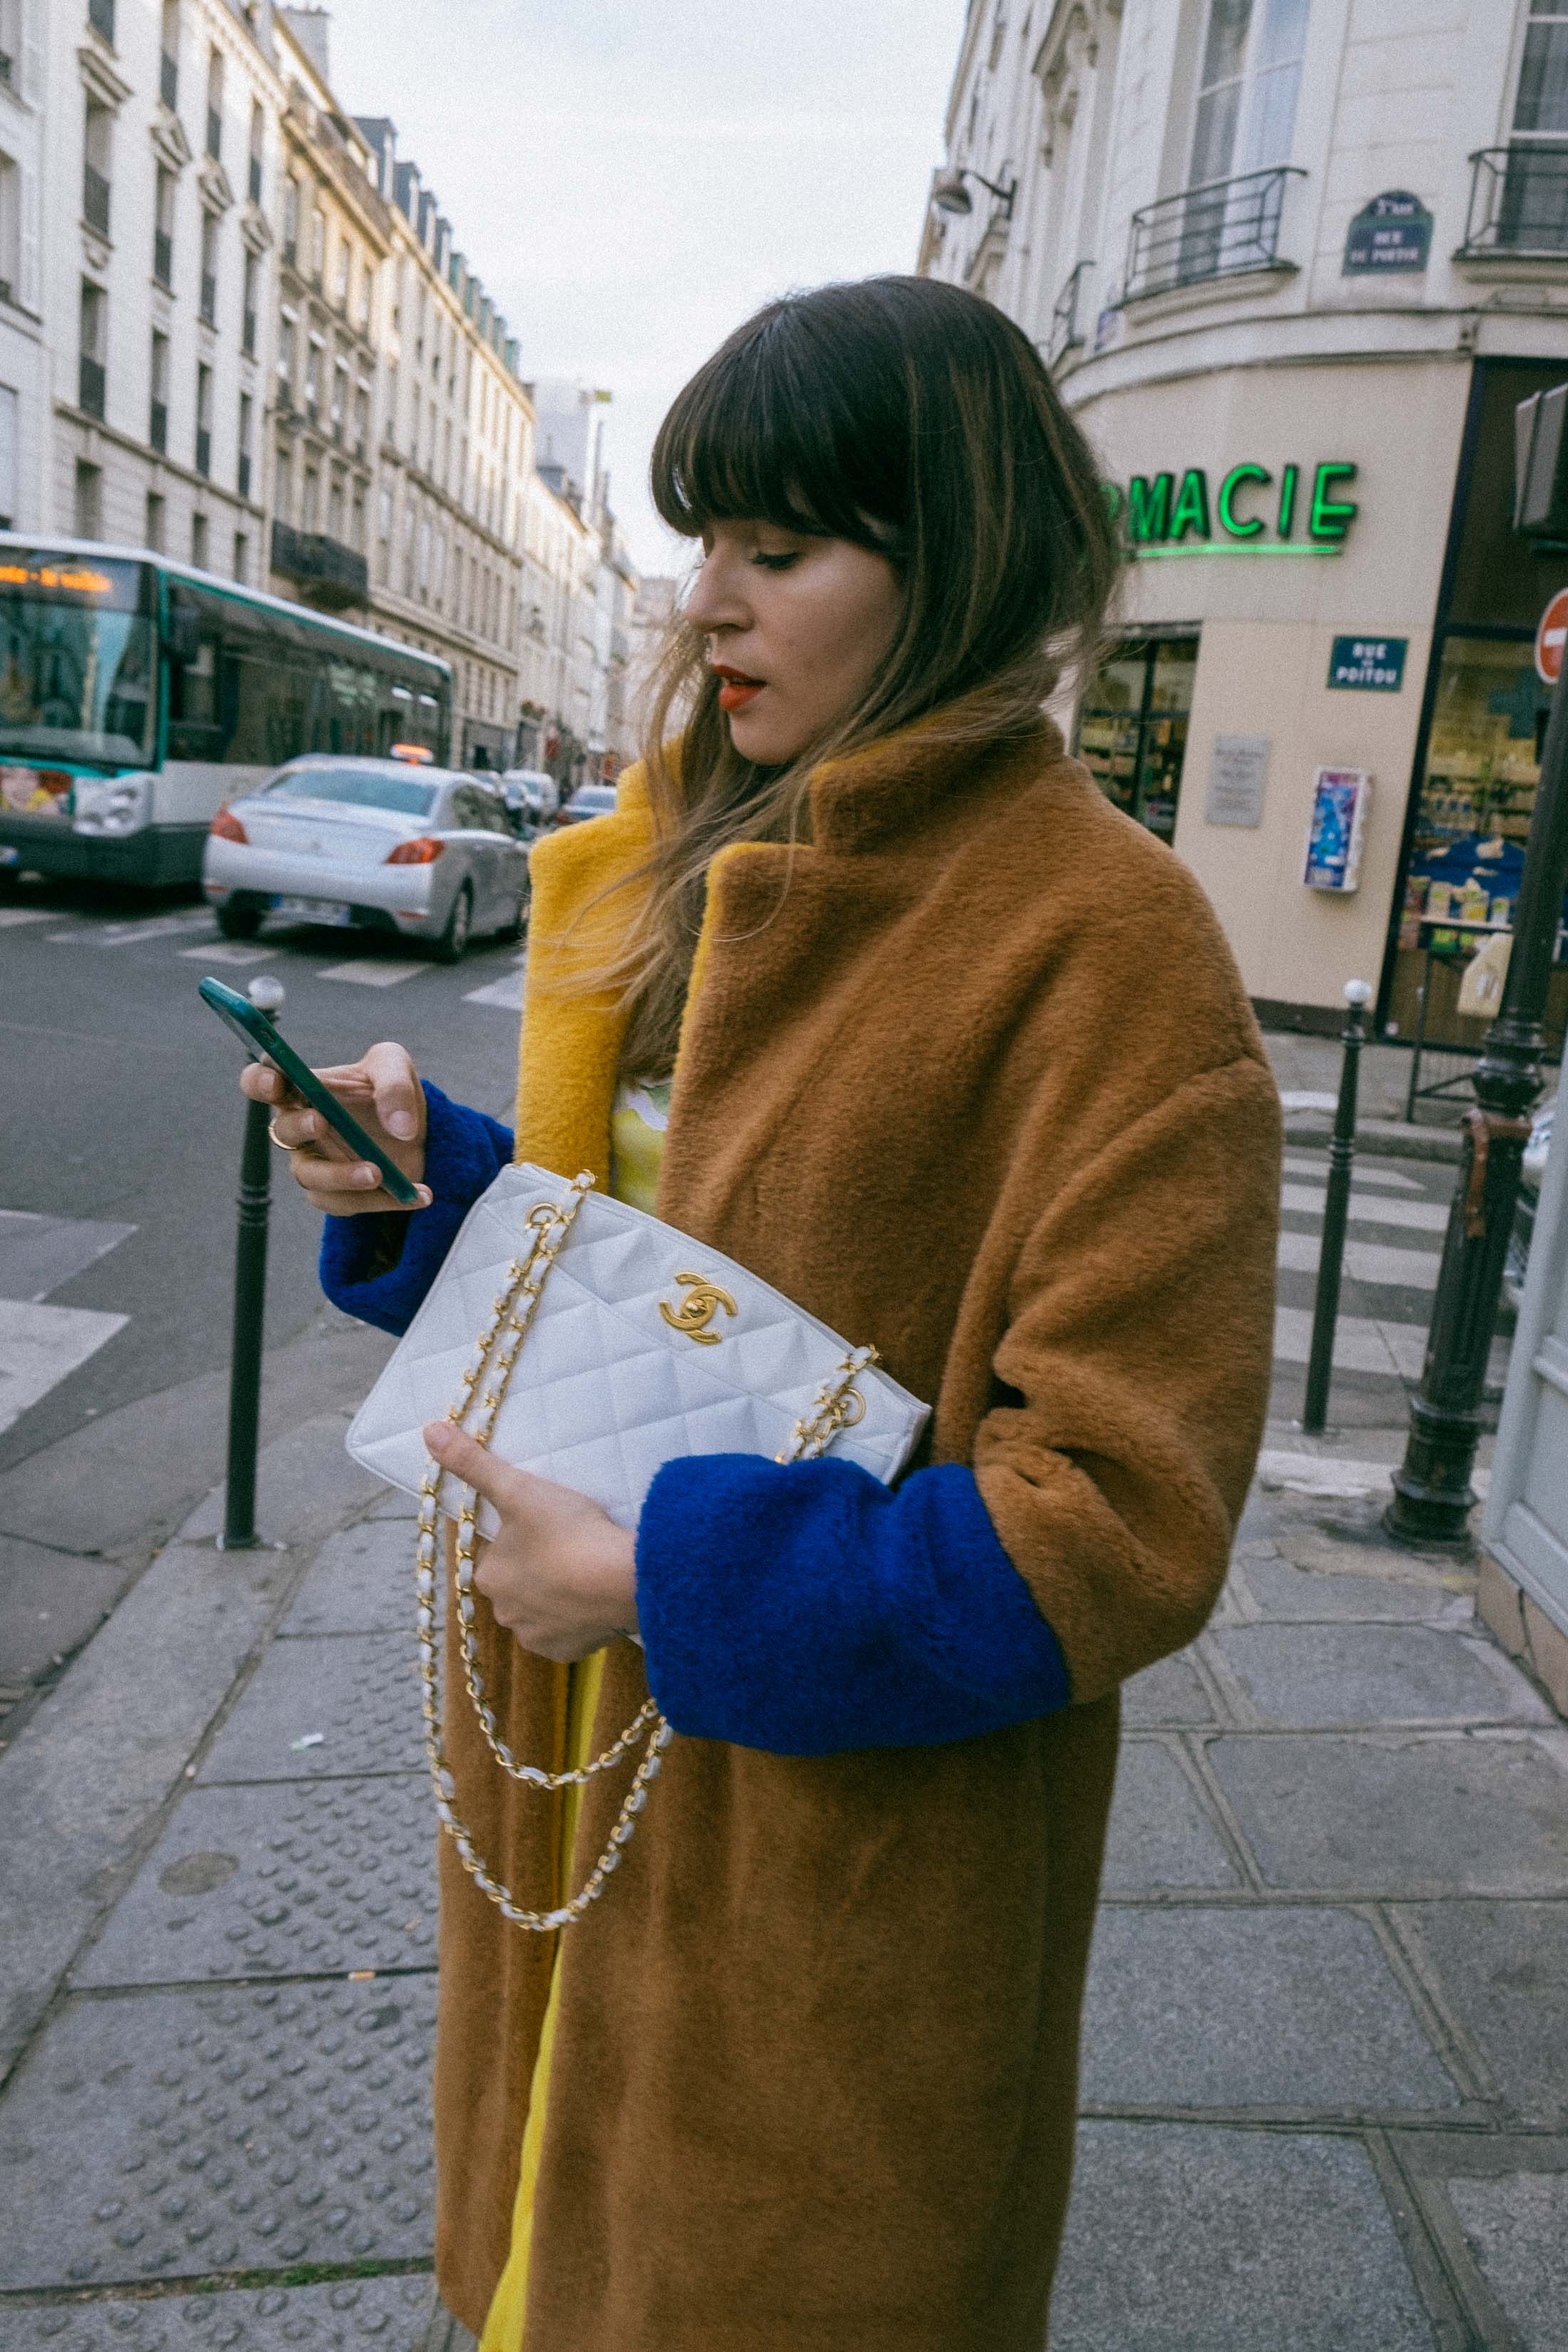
(1432, 1492)
(1336, 1212)
(249, 1308)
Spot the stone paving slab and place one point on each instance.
(50, 1602)
(1503, 1968)
(1415, 1813)
(1160, 1834)
(1170, 1692)
(390, 2314)
(1518, 2232)
(1288, 2009)
(295, 1880)
(361, 1692)
(1197, 2238)
(361, 1581)
(1307, 1596)
(1310, 1677)
(163, 2136)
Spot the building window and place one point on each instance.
(10, 228)
(340, 395)
(88, 502)
(100, 17)
(8, 457)
(95, 166)
(163, 228)
(346, 272)
(1527, 197)
(209, 267)
(357, 535)
(318, 243)
(152, 532)
(286, 360)
(94, 346)
(1133, 726)
(169, 57)
(313, 376)
(386, 514)
(291, 221)
(361, 420)
(335, 506)
(366, 286)
(199, 541)
(241, 556)
(203, 418)
(311, 515)
(258, 142)
(158, 415)
(215, 104)
(243, 471)
(248, 313)
(283, 486)
(1247, 92)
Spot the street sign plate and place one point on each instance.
(1368, 665)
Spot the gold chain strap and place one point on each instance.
(838, 1405)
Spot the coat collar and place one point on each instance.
(893, 789)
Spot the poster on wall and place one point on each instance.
(1238, 769)
(1338, 826)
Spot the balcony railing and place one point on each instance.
(162, 256)
(168, 79)
(158, 427)
(1518, 202)
(209, 296)
(95, 199)
(1221, 230)
(332, 572)
(1069, 327)
(203, 450)
(100, 17)
(90, 387)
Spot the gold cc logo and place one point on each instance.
(694, 1313)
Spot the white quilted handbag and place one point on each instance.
(582, 1339)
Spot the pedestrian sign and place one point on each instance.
(1548, 639)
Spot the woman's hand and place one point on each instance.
(383, 1092)
(560, 1575)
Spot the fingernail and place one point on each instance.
(401, 1123)
(438, 1436)
(426, 1195)
(367, 1175)
(310, 1126)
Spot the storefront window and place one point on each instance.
(1133, 726)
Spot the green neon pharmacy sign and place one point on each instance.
(1251, 513)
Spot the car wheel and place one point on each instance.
(239, 922)
(452, 945)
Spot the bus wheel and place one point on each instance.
(239, 922)
(452, 945)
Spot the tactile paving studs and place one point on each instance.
(354, 1697)
(378, 2314)
(279, 1880)
(174, 2135)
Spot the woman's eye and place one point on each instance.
(774, 563)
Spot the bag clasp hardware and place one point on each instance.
(694, 1313)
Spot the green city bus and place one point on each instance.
(138, 695)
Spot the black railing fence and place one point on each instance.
(1519, 201)
(1216, 231)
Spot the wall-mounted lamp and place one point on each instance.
(949, 194)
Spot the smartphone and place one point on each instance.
(263, 1043)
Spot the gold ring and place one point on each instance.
(273, 1136)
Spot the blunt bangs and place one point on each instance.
(768, 431)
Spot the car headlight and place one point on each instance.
(111, 805)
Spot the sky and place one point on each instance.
(631, 178)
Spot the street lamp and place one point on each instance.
(949, 194)
(1431, 1493)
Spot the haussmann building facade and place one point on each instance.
(1293, 263)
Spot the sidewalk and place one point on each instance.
(1307, 1070)
(1326, 2069)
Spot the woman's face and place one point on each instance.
(795, 628)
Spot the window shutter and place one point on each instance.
(28, 292)
(33, 51)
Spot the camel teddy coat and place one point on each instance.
(973, 1079)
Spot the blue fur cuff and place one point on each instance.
(379, 1268)
(806, 1608)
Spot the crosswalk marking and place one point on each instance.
(1419, 1216)
(1308, 1163)
(11, 918)
(228, 951)
(1365, 1343)
(373, 972)
(40, 1345)
(1364, 1261)
(506, 993)
(126, 935)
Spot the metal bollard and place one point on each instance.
(1336, 1212)
(249, 1306)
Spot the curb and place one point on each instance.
(1380, 1138)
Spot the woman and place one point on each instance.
(961, 1064)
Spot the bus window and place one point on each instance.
(75, 658)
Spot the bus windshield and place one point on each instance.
(76, 667)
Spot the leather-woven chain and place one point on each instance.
(838, 1404)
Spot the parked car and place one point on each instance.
(588, 800)
(1531, 1170)
(373, 845)
(533, 794)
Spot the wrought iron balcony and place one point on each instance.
(1518, 203)
(95, 199)
(1068, 326)
(329, 572)
(1223, 229)
(90, 385)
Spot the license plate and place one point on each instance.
(312, 911)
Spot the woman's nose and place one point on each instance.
(714, 600)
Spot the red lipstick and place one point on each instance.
(737, 689)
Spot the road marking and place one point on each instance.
(39, 1346)
(1419, 1216)
(507, 992)
(1364, 1343)
(37, 1252)
(1300, 1098)
(373, 972)
(125, 935)
(229, 951)
(1311, 1163)
(11, 918)
(1364, 1261)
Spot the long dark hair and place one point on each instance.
(914, 419)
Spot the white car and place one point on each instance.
(375, 845)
